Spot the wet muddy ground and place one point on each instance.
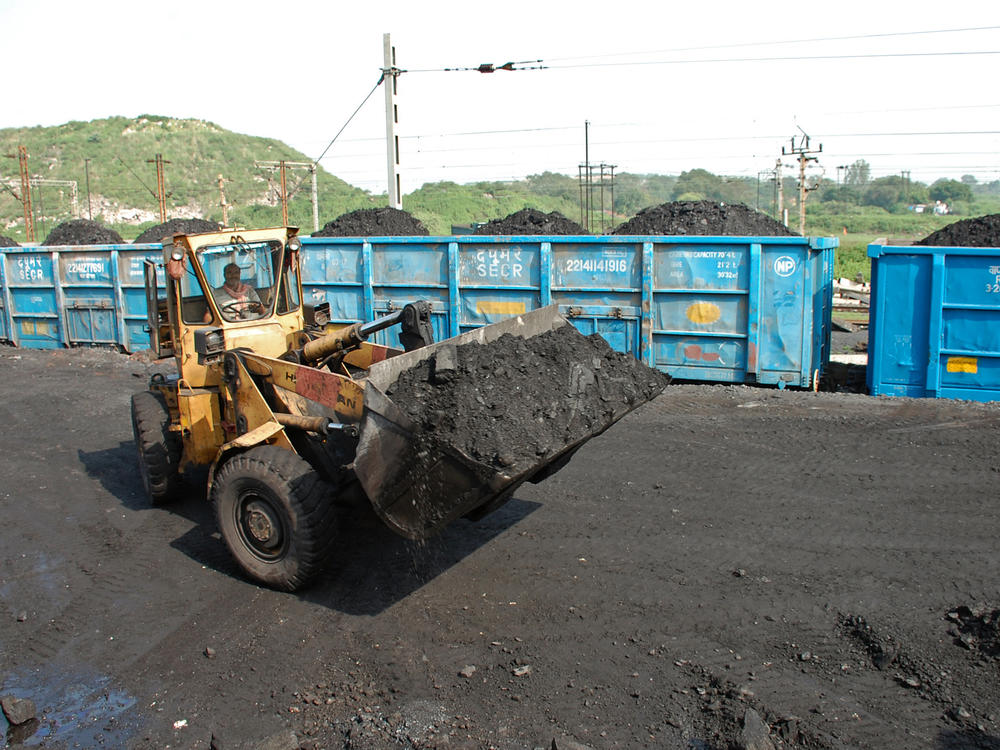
(725, 567)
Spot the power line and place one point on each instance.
(132, 171)
(699, 139)
(555, 128)
(520, 147)
(355, 112)
(783, 41)
(914, 109)
(477, 132)
(348, 122)
(538, 64)
(483, 68)
(791, 58)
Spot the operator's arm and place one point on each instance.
(207, 317)
(252, 296)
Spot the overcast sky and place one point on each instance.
(665, 86)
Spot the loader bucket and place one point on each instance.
(452, 429)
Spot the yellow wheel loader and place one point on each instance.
(289, 413)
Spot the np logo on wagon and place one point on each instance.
(784, 266)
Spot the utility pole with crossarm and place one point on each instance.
(802, 152)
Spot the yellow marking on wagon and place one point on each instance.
(968, 365)
(487, 307)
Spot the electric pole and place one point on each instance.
(586, 161)
(222, 202)
(315, 196)
(25, 196)
(161, 193)
(781, 193)
(391, 75)
(86, 169)
(41, 208)
(284, 194)
(802, 153)
(281, 166)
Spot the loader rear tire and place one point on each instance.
(276, 515)
(158, 447)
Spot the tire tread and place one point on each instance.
(316, 516)
(159, 447)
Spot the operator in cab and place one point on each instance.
(236, 300)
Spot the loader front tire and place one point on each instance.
(276, 515)
(158, 447)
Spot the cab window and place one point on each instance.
(288, 289)
(193, 304)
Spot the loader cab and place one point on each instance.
(239, 289)
(246, 281)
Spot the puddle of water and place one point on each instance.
(77, 709)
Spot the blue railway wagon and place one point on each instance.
(718, 309)
(75, 295)
(934, 328)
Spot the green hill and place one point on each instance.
(115, 156)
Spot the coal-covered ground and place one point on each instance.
(823, 561)
(529, 221)
(703, 218)
(176, 226)
(980, 231)
(82, 232)
(373, 222)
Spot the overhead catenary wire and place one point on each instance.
(547, 63)
(132, 172)
(505, 131)
(811, 40)
(693, 139)
(704, 60)
(342, 128)
(776, 58)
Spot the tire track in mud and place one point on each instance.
(889, 659)
(141, 571)
(809, 699)
(860, 706)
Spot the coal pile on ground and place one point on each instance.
(373, 222)
(531, 221)
(511, 403)
(704, 218)
(982, 231)
(83, 232)
(8, 242)
(176, 226)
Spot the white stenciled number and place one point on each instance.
(596, 265)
